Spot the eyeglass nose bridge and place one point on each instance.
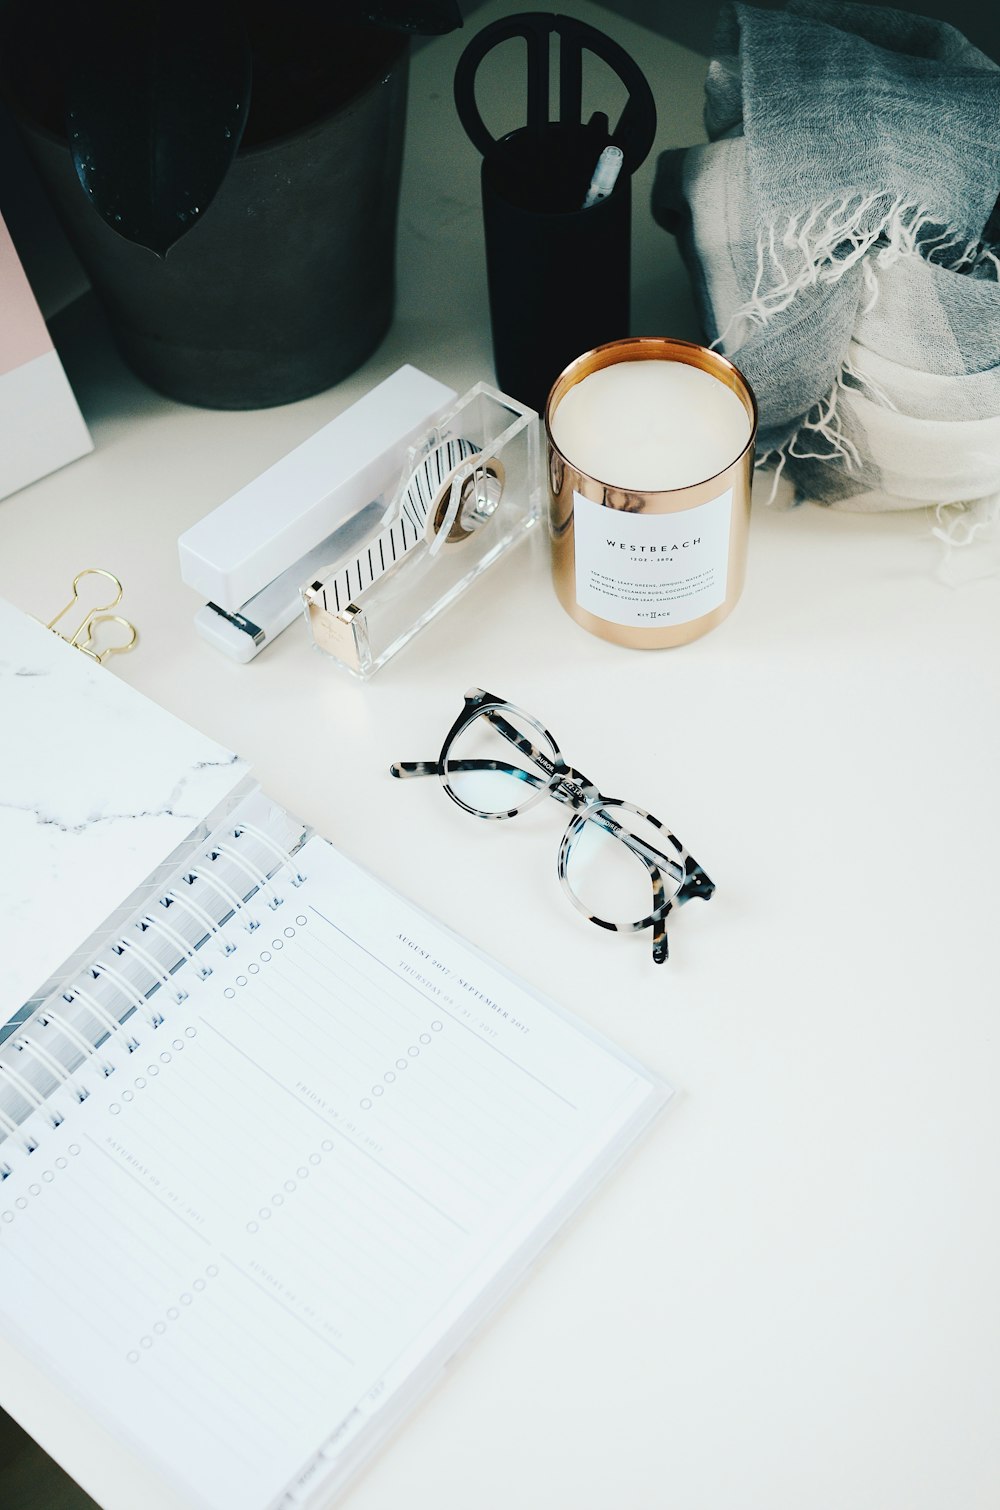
(575, 789)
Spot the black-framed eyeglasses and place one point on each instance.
(621, 867)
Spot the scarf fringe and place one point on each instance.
(960, 525)
(819, 247)
(823, 427)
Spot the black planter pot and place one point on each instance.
(287, 283)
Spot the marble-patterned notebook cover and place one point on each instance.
(99, 789)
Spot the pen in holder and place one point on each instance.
(558, 243)
(469, 491)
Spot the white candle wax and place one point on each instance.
(650, 425)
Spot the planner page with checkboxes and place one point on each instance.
(278, 1210)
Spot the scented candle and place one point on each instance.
(650, 463)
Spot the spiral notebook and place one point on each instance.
(272, 1140)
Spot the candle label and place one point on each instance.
(651, 570)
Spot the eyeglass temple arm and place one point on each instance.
(403, 769)
(661, 946)
(645, 851)
(696, 882)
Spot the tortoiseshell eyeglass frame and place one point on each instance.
(568, 785)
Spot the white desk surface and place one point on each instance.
(788, 1296)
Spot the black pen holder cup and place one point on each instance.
(559, 282)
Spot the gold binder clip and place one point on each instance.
(83, 636)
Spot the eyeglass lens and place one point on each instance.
(610, 879)
(493, 773)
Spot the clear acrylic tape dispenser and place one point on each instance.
(470, 490)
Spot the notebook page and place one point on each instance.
(244, 1241)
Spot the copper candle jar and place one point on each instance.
(653, 567)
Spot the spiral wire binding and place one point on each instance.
(259, 881)
(163, 976)
(28, 1091)
(235, 901)
(110, 1021)
(49, 1062)
(203, 917)
(272, 846)
(179, 942)
(138, 1001)
(53, 1019)
(13, 1131)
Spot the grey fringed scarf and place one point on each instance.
(842, 235)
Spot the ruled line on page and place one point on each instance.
(446, 1216)
(403, 980)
